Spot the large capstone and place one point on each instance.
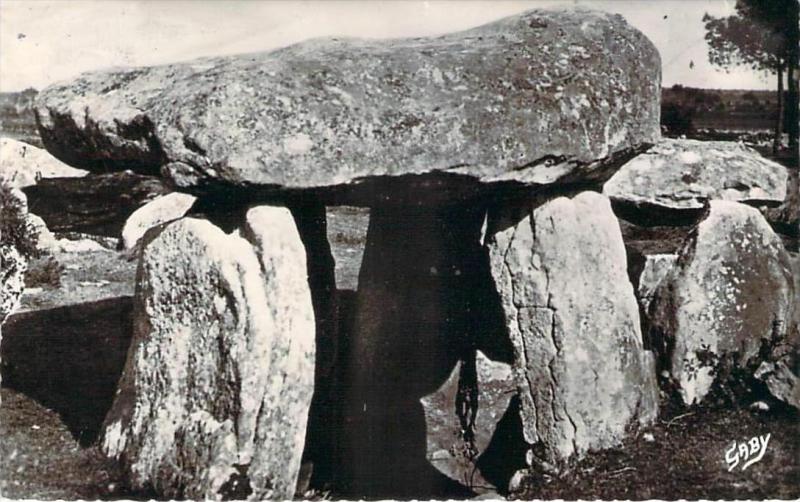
(214, 397)
(682, 174)
(725, 303)
(571, 313)
(541, 97)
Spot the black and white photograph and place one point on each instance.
(399, 250)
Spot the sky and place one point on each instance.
(45, 41)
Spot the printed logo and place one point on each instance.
(748, 451)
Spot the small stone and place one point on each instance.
(759, 406)
(161, 210)
(648, 436)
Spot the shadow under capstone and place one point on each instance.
(69, 359)
(425, 301)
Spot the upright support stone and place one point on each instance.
(419, 311)
(214, 396)
(573, 320)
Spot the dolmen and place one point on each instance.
(495, 324)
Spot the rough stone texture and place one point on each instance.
(447, 448)
(782, 372)
(537, 97)
(684, 174)
(572, 316)
(161, 210)
(423, 304)
(729, 297)
(22, 164)
(214, 396)
(656, 268)
(782, 381)
(97, 204)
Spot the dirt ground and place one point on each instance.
(63, 352)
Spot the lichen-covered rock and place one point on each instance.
(536, 97)
(656, 268)
(23, 165)
(457, 454)
(161, 210)
(728, 298)
(684, 174)
(572, 316)
(214, 397)
(781, 373)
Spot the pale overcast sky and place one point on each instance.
(43, 41)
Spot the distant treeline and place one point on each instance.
(16, 116)
(687, 109)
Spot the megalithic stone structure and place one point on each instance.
(437, 136)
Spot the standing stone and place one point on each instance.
(572, 316)
(280, 435)
(214, 397)
(729, 296)
(161, 210)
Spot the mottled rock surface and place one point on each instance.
(22, 164)
(536, 97)
(684, 174)
(729, 297)
(572, 316)
(161, 210)
(465, 459)
(98, 204)
(782, 372)
(214, 396)
(656, 268)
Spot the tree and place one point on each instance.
(764, 35)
